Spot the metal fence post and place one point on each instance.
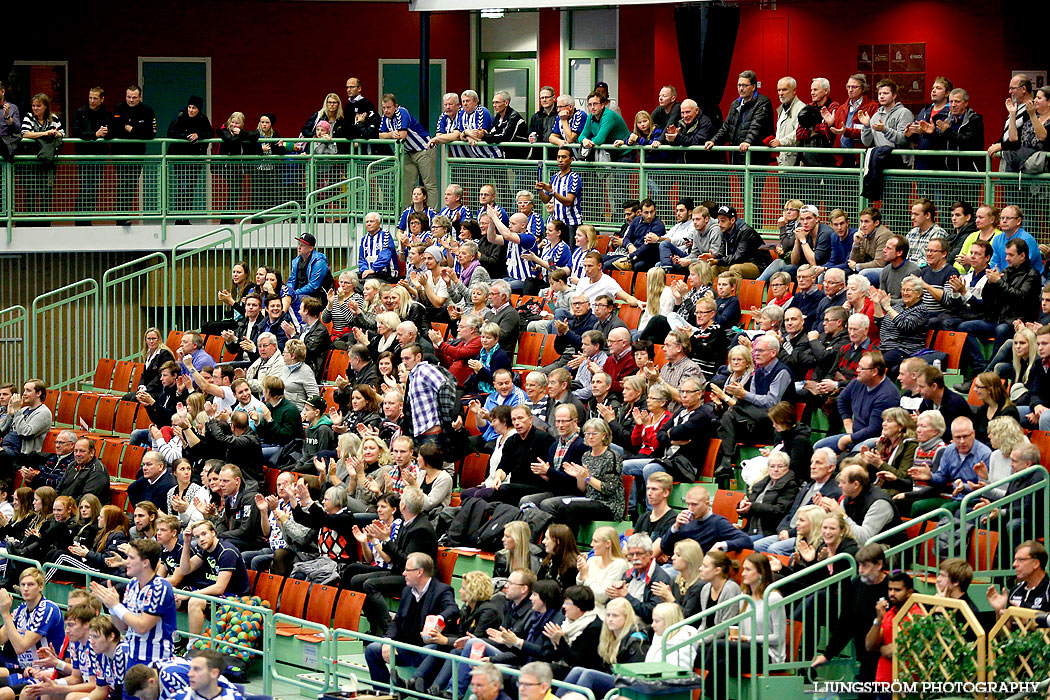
(643, 181)
(749, 186)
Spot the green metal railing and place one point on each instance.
(14, 343)
(992, 540)
(64, 334)
(134, 298)
(919, 551)
(335, 215)
(168, 188)
(200, 267)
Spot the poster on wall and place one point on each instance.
(1038, 77)
(881, 57)
(28, 78)
(864, 58)
(899, 57)
(917, 57)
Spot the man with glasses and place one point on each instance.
(750, 118)
(269, 364)
(956, 474)
(749, 409)
(935, 276)
(541, 124)
(842, 119)
(709, 341)
(604, 308)
(621, 362)
(861, 404)
(1020, 93)
(1010, 221)
(51, 471)
(569, 331)
(422, 598)
(929, 381)
(535, 681)
(1033, 585)
(637, 583)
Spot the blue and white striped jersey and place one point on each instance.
(378, 253)
(576, 262)
(576, 122)
(80, 657)
(402, 223)
(567, 184)
(463, 211)
(224, 694)
(517, 267)
(155, 598)
(480, 118)
(535, 225)
(110, 670)
(556, 255)
(174, 675)
(447, 124)
(46, 620)
(417, 137)
(503, 215)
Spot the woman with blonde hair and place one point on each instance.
(1004, 435)
(236, 141)
(687, 586)
(622, 641)
(518, 551)
(607, 566)
(665, 615)
(1022, 359)
(586, 240)
(154, 354)
(332, 112)
(653, 324)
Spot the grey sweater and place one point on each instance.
(890, 279)
(895, 119)
(729, 591)
(32, 428)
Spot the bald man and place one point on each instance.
(693, 129)
(517, 240)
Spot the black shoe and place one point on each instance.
(963, 387)
(417, 684)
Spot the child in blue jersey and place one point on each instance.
(34, 624)
(167, 680)
(109, 659)
(70, 674)
(147, 611)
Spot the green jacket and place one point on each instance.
(285, 424)
(605, 130)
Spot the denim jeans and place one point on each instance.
(774, 545)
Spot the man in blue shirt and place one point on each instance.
(955, 473)
(643, 239)
(842, 241)
(377, 251)
(1010, 220)
(398, 124)
(472, 123)
(861, 404)
(310, 274)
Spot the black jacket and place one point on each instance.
(241, 333)
(1016, 294)
(151, 373)
(758, 125)
(965, 134)
(509, 127)
(85, 125)
(522, 453)
(484, 616)
(243, 450)
(92, 478)
(109, 548)
(437, 599)
(182, 126)
(764, 516)
(697, 133)
(54, 538)
(143, 123)
(240, 522)
(643, 607)
(237, 144)
(582, 652)
(367, 128)
(165, 399)
(693, 426)
(741, 245)
(797, 444)
(416, 536)
(317, 341)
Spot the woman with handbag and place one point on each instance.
(42, 136)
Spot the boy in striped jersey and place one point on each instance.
(35, 624)
(55, 676)
(148, 609)
(109, 659)
(398, 123)
(205, 673)
(518, 242)
(565, 190)
(167, 680)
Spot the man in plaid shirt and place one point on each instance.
(431, 398)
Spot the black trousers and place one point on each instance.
(377, 585)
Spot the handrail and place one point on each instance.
(939, 513)
(216, 601)
(326, 633)
(971, 513)
(454, 658)
(701, 633)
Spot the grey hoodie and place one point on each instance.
(896, 119)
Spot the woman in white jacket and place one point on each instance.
(665, 615)
(607, 566)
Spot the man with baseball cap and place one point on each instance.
(739, 251)
(311, 274)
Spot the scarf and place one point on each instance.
(466, 272)
(572, 629)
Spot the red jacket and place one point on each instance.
(455, 357)
(644, 438)
(620, 369)
(870, 106)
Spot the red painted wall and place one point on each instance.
(964, 41)
(267, 56)
(283, 57)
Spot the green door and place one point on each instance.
(168, 83)
(518, 77)
(402, 79)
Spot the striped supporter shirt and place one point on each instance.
(402, 223)
(377, 252)
(576, 122)
(480, 118)
(569, 183)
(403, 121)
(155, 598)
(446, 125)
(517, 267)
(461, 210)
(557, 255)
